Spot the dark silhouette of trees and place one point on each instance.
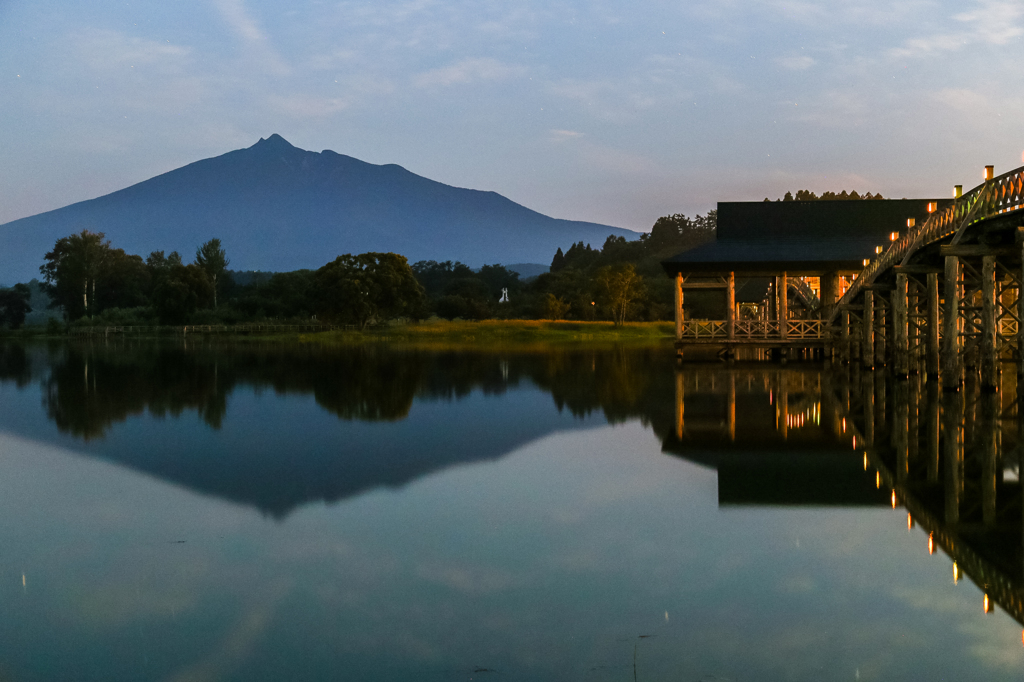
(367, 288)
(14, 305)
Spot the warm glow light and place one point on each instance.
(990, 172)
(855, 442)
(910, 521)
(879, 249)
(911, 222)
(987, 604)
(844, 424)
(893, 499)
(865, 461)
(958, 191)
(956, 573)
(931, 543)
(866, 262)
(893, 236)
(932, 206)
(878, 479)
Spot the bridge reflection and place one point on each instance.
(804, 437)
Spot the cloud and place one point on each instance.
(305, 106)
(468, 71)
(564, 135)
(991, 22)
(105, 49)
(238, 20)
(796, 62)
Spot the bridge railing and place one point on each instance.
(994, 197)
(753, 330)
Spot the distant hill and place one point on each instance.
(276, 207)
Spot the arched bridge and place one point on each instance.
(945, 297)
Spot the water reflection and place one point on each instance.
(953, 461)
(538, 543)
(93, 393)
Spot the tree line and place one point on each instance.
(89, 281)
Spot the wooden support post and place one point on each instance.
(933, 326)
(730, 305)
(679, 306)
(882, 318)
(952, 366)
(1020, 332)
(867, 354)
(901, 326)
(989, 333)
(844, 334)
(783, 293)
(829, 293)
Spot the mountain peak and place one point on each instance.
(274, 142)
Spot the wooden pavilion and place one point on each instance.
(808, 252)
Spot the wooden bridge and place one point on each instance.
(945, 298)
(941, 296)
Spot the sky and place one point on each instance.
(615, 113)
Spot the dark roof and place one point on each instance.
(801, 237)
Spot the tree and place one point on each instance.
(14, 305)
(554, 308)
(211, 259)
(179, 291)
(71, 267)
(620, 288)
(558, 262)
(367, 288)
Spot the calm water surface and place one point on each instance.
(296, 513)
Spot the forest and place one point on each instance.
(87, 281)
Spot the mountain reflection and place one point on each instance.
(776, 435)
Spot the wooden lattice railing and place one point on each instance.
(752, 330)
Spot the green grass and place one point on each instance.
(489, 333)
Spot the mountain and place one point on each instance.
(277, 207)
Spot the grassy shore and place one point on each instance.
(441, 333)
(490, 333)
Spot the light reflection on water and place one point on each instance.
(248, 514)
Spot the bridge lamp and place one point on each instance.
(893, 236)
(931, 543)
(958, 191)
(910, 521)
(893, 499)
(866, 262)
(911, 222)
(990, 172)
(932, 206)
(956, 573)
(987, 604)
(879, 249)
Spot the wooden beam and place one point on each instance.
(966, 250)
(705, 285)
(917, 269)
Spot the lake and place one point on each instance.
(215, 511)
